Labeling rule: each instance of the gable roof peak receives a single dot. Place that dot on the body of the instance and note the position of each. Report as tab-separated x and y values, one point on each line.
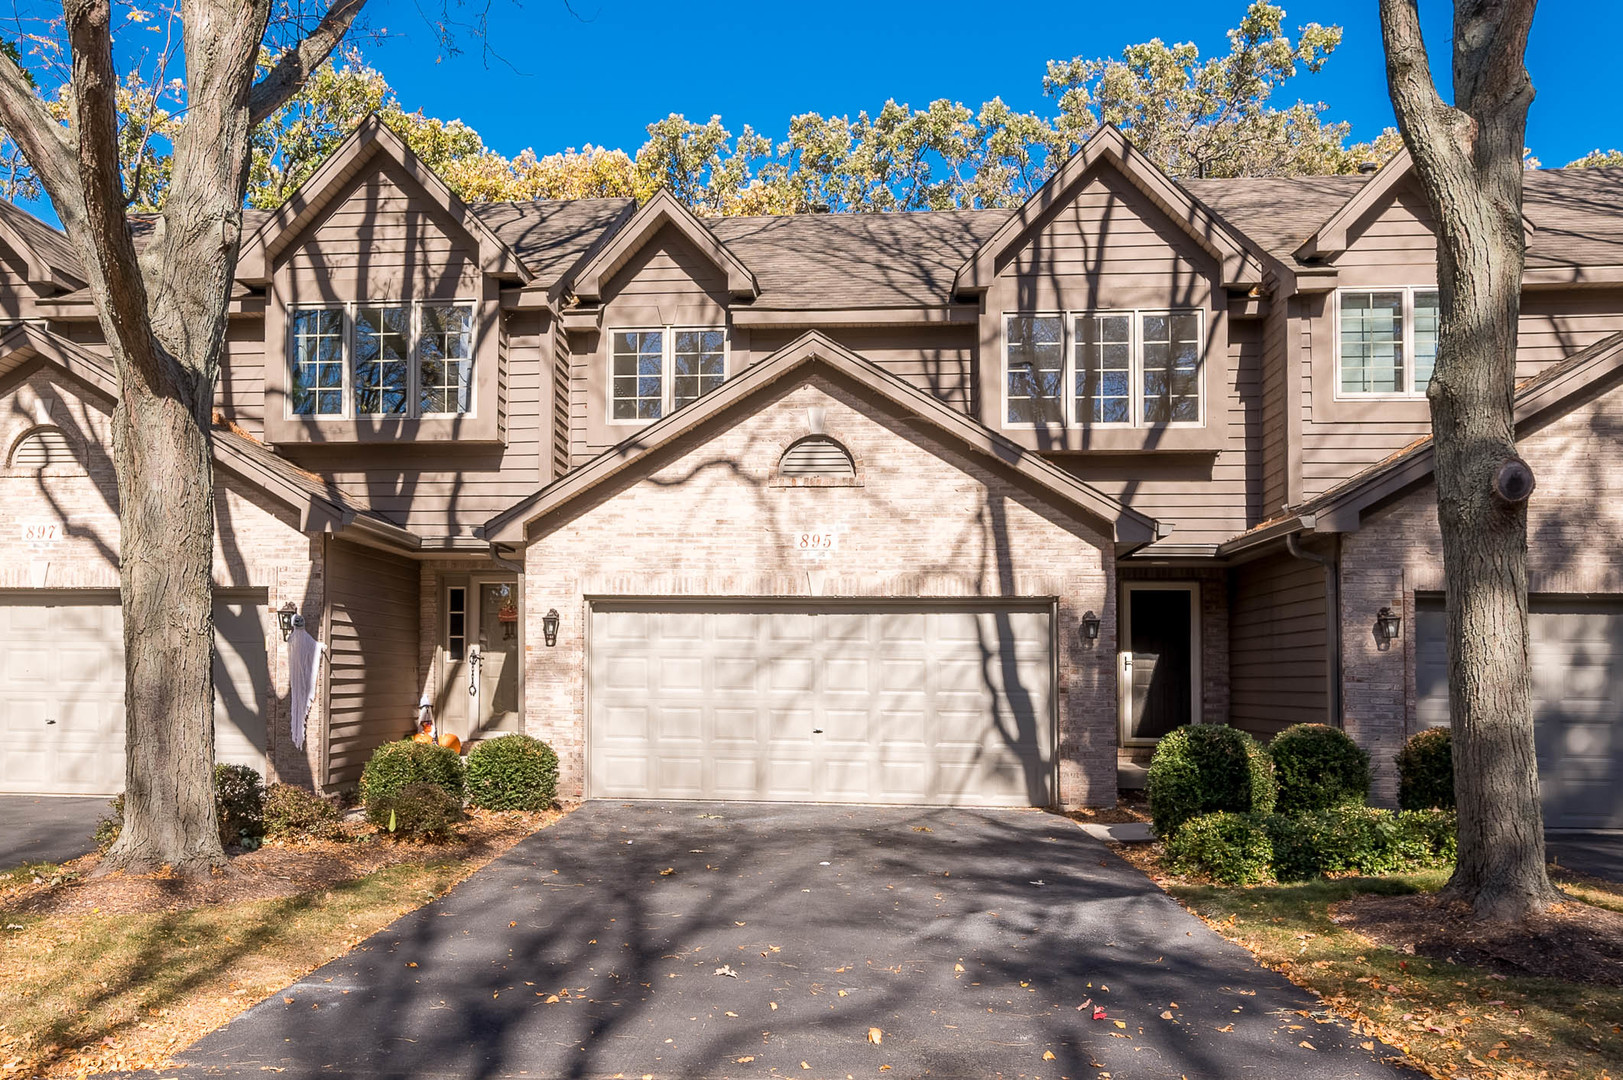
1330	238
663	209
1239	258
370	138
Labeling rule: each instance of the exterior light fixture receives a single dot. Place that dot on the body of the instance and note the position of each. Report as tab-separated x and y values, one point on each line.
549	627
1389	624
1090	627
287	617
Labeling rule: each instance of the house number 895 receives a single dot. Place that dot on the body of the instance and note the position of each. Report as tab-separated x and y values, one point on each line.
816	541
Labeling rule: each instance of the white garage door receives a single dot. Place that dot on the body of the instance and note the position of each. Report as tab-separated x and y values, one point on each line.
1577	656
62	691
822	704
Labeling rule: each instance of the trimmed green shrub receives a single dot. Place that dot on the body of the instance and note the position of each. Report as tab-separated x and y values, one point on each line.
394	765
1205	768
1317	767
1359	840
110	825
418	811
1233	849
239	804
296	813
1426	771
514	772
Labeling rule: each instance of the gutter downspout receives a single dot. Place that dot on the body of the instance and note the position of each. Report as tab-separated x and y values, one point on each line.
505	563
1332	604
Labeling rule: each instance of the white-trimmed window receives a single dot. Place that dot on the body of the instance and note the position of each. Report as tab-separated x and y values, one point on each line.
656	371
412	359
1386	341
1103	368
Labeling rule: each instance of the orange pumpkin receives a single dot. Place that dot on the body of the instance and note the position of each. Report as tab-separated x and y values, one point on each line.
451	742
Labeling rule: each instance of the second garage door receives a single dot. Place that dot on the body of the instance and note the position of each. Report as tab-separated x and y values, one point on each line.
1577	660
822	704
62	690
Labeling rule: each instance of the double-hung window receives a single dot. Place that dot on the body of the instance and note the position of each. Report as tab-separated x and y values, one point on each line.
1386	341
654	372
382	359
1103	368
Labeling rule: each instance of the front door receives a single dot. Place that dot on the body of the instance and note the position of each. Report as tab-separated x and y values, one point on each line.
1160	667
479	691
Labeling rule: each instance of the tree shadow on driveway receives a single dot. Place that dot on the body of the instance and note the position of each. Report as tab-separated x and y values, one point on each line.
968	938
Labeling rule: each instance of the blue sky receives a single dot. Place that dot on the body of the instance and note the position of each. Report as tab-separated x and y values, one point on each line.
563	81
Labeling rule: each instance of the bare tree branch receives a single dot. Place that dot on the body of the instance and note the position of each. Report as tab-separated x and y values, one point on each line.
294	66
45	143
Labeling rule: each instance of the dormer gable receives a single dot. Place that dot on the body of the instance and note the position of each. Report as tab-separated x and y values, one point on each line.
373	148
1241	266
45	256
662	212
1332	237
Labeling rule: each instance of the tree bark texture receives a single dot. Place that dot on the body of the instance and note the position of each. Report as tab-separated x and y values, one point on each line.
1468	158
164	316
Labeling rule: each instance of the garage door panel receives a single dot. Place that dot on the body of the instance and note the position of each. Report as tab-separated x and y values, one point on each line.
1577	675
885	705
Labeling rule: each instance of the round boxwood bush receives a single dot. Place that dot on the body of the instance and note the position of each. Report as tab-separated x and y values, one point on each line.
296	813
1233	849
394	765
1360	840
1205	768
1426	771
514	772
1317	767
239	803
417	811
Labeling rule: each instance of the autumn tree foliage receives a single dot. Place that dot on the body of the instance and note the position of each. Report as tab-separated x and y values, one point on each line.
1195	116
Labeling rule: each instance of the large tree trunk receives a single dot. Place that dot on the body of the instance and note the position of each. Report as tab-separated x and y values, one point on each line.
164	318
1469	160
166	507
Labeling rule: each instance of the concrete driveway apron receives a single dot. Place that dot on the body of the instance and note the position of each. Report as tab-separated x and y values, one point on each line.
747	940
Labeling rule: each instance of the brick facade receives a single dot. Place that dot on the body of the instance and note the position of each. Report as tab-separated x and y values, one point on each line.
1575	545
928	520
258	543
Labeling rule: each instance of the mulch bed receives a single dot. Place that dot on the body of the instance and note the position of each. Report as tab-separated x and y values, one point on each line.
1130	807
1571	941
273	871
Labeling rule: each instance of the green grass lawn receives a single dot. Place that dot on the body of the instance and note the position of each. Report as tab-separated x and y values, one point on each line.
1451	1019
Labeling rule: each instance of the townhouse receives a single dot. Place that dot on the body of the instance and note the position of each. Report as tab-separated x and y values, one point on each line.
953	507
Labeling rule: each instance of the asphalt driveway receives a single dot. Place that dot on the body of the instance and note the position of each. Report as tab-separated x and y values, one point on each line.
40	828
748	941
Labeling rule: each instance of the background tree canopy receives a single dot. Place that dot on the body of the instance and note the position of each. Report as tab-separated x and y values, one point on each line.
1194	116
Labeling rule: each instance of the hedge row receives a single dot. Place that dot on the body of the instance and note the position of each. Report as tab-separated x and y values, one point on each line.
1241	849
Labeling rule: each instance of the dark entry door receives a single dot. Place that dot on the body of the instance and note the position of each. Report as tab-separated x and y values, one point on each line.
1159	666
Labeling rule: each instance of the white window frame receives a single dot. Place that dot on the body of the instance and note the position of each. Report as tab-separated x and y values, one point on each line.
414	397
1070	405
667	366
1409	393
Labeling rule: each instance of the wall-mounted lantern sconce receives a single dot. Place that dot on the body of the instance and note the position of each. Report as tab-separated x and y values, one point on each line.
1090	627
549	627
1388	624
287	617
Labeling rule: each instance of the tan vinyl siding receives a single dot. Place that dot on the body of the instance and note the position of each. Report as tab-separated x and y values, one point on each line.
1206	499
1274	437
1557	323
939	360
1278	632
372	628
240	391
557	342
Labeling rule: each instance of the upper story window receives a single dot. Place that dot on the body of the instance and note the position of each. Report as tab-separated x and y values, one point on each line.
654	372
1386	341
1099	368
410	359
